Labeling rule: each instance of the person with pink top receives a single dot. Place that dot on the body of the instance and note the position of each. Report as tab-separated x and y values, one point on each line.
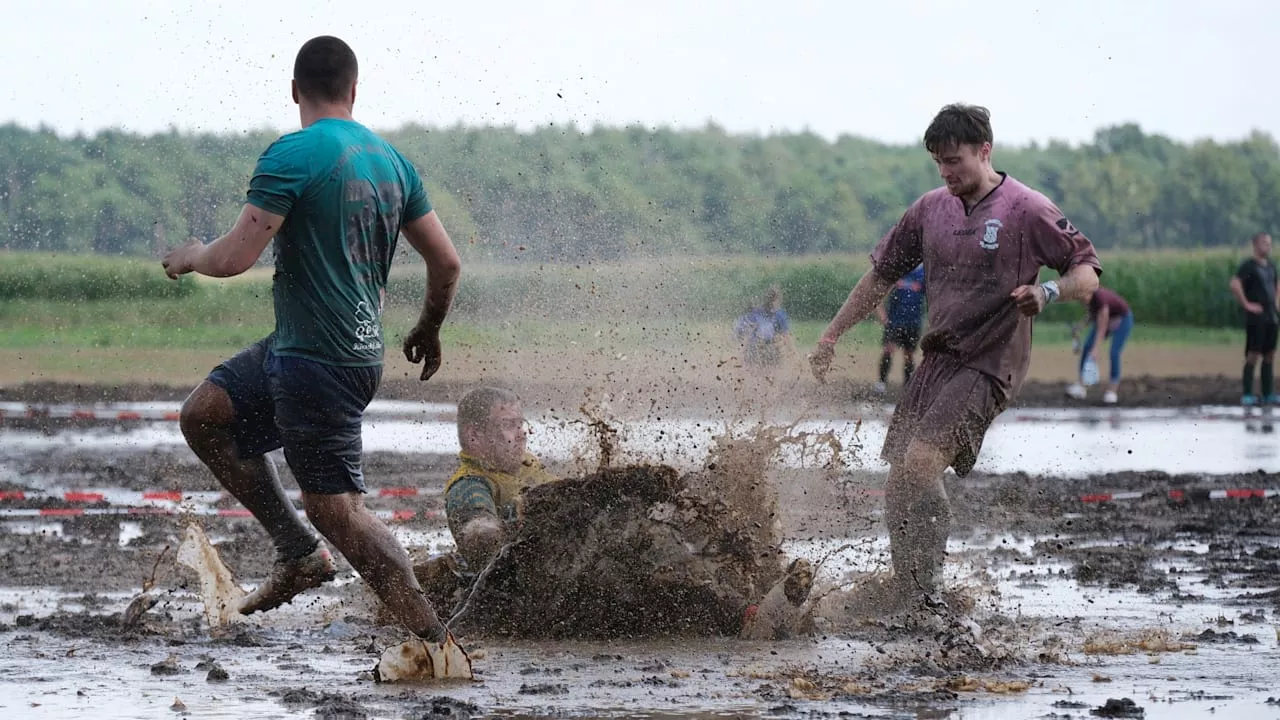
1108	316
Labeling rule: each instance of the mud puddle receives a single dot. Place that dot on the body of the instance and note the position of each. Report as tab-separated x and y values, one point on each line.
310	673
1189	647
1081	590
1074	443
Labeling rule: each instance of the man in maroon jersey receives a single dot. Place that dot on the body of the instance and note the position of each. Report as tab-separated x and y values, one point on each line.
983	239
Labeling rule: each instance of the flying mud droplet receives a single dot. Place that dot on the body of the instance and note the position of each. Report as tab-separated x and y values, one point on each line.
606	435
219	591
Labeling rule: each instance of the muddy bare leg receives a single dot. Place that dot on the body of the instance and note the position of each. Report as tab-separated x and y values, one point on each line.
375	553
207	420
919	518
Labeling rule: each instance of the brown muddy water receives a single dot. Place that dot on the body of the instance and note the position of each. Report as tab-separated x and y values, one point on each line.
1103	562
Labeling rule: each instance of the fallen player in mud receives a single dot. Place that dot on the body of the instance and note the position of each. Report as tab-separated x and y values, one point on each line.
638	551
635	552
482	498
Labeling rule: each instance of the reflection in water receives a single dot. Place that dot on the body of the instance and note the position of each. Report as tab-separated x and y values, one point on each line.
1068	443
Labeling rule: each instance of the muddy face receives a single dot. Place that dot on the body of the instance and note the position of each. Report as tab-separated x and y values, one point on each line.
500	441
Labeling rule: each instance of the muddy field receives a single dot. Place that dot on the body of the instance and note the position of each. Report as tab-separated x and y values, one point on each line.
1070	596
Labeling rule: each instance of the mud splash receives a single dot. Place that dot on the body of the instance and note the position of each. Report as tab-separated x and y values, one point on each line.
624	553
645	551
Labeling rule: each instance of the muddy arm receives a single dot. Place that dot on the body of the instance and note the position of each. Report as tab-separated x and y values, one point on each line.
479	539
473	520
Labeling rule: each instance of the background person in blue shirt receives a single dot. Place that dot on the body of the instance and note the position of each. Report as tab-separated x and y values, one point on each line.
902	316
764	331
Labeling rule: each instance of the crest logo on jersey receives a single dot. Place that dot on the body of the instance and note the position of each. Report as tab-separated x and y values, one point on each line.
1065	226
368	332
990	239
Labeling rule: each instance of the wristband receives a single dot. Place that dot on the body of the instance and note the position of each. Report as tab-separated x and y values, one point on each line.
1051	291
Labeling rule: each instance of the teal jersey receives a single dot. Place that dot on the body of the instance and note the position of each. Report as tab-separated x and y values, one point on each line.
344	193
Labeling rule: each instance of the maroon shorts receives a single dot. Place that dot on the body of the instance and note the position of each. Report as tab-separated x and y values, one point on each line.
947	406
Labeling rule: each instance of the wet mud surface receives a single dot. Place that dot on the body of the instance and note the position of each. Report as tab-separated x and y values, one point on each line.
1170	595
1061	603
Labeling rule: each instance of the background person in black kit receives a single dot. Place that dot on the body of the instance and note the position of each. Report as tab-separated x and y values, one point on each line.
1254	287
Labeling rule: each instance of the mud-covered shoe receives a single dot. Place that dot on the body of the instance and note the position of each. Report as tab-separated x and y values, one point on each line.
774	617
290	577
417	659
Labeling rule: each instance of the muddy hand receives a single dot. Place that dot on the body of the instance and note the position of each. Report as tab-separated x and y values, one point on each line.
1029	298
417	659
179	260
820	360
422	345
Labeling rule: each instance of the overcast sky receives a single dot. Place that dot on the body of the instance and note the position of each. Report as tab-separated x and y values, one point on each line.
1186	68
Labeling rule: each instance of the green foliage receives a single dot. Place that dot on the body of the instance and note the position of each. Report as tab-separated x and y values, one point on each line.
1168	288
813	289
35	276
564	195
104	300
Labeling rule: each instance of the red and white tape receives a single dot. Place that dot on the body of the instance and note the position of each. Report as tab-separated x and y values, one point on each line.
1183	495
12	410
139	512
171	412
118	496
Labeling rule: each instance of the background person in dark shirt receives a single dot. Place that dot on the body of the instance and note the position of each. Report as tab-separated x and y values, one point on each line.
902	316
1254	287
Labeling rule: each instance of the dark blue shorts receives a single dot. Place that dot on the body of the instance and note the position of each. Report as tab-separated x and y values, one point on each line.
312	410
906	337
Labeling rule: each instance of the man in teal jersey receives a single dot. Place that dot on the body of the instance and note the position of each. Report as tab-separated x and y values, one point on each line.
335	197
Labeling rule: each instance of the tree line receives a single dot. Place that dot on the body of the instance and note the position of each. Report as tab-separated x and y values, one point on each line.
564	194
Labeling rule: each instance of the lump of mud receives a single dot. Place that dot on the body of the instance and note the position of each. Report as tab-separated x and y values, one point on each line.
1209	636
637	551
300	696
245	639
445	708
168	666
340	708
1122	708
1267	553
544	689
1116	567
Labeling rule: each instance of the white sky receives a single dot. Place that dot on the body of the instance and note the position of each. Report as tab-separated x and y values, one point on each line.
876	68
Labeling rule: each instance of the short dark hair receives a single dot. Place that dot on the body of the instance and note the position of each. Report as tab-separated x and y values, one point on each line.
1258	236
477	405
325	69
958	124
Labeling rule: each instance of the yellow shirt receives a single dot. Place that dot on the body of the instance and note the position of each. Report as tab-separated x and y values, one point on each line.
475	486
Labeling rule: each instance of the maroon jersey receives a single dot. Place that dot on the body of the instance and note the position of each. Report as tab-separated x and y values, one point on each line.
973	261
1117	308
